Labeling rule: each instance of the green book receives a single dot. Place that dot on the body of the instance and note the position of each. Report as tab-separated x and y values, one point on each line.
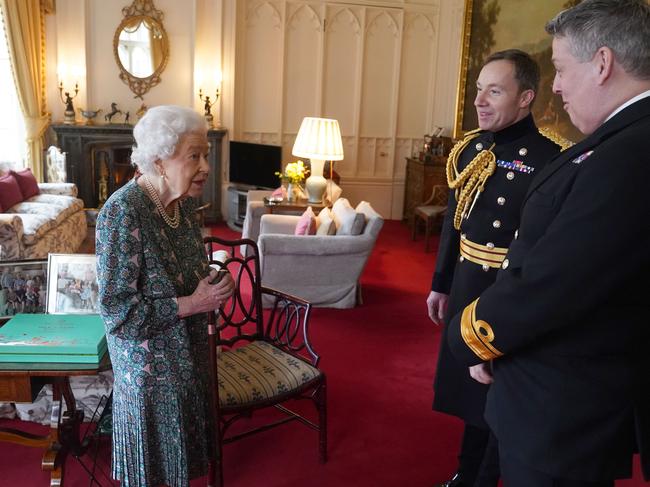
59	338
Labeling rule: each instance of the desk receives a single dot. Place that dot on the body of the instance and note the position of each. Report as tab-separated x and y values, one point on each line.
21	382
285	206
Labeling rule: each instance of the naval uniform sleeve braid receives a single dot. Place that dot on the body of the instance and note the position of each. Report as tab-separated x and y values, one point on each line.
590	248
126	312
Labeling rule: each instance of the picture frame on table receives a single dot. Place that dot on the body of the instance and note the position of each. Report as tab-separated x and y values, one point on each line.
495	25
23	287
72	284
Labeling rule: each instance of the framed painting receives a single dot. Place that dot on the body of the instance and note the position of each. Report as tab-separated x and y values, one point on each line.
72	284
495	25
23	287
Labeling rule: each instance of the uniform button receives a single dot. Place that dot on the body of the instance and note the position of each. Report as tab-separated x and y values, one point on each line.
461	258
496	223
505	264
486	267
516	234
523	151
490	245
463	236
510	175
501	200
479	147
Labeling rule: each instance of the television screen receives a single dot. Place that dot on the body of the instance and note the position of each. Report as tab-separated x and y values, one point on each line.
255	164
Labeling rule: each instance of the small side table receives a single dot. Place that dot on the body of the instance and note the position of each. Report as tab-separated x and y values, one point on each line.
285	206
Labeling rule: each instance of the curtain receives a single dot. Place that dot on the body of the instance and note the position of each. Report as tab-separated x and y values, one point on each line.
25	28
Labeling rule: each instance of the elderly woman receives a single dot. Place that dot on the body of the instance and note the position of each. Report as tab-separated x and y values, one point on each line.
154	290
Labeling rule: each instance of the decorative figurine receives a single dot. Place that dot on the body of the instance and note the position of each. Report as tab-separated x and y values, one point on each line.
114	111
126	118
207	106
68	114
89	115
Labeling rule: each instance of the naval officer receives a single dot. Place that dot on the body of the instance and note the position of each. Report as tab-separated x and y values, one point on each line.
565	325
488	173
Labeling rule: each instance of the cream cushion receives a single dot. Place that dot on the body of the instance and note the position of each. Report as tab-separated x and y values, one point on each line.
325	223
347	220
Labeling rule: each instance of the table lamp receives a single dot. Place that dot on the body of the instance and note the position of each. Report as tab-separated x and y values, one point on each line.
319	140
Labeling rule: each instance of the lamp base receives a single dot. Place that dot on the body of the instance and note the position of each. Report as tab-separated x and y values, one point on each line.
316	183
69	118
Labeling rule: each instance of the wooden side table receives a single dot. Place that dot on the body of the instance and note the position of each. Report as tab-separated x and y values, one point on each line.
21	382
421	177
285	206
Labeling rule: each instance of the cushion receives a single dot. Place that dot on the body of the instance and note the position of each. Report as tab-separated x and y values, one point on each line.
325	223
27	183
348	221
306	223
10	193
268	372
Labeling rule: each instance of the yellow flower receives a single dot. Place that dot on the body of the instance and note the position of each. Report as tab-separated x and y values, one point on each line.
294	172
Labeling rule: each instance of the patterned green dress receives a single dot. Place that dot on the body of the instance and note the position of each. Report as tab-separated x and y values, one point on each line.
161	420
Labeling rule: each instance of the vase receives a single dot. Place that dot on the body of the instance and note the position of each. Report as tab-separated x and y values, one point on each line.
294	192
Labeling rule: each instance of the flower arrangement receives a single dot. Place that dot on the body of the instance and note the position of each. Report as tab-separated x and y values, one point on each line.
294	172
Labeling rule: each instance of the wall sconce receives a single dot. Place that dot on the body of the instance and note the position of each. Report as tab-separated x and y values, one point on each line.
318	139
68	115
207	105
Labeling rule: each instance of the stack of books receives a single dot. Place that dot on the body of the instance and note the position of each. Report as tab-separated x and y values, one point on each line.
55	338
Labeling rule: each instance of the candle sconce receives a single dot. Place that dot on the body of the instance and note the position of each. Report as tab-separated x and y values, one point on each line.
68	115
207	106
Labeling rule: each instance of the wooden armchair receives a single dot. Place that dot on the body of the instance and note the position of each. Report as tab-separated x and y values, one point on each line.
429	211
263	357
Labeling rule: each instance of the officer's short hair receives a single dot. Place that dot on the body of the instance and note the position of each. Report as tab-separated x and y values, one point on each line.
621	25
526	68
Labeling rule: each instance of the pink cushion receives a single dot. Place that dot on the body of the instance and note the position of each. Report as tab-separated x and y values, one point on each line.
9	192
307	223
27	183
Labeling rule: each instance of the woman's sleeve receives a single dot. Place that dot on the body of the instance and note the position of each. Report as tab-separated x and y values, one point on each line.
127	312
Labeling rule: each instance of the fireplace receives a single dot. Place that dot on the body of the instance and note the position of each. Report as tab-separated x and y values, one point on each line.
98	162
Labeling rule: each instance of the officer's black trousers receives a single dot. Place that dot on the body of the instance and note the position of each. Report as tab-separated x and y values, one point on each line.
516	474
478	461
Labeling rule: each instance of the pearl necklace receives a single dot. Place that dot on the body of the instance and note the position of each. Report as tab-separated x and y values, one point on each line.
172	221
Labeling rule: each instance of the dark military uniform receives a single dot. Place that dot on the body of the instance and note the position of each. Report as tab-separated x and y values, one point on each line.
566	322
521	151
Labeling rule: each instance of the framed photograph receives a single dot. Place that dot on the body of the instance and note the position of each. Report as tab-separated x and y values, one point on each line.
495	25
72	284
23	287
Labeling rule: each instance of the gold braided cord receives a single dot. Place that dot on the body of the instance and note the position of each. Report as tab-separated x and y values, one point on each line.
172	221
471	181
557	138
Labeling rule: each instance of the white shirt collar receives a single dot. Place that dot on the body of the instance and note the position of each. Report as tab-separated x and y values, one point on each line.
638	97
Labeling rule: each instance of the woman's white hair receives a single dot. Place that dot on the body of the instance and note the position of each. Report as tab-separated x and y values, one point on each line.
158	132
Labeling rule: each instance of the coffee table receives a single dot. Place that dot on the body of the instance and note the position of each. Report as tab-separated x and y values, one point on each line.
284	206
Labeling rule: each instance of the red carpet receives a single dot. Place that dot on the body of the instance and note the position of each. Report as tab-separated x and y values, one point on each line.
380	360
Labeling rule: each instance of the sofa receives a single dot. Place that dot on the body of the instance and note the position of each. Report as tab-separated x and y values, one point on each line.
324	269
52	221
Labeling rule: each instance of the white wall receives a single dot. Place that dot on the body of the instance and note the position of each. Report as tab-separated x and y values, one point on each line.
388	74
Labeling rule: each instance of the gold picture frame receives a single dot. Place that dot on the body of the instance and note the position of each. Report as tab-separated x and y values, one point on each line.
495	25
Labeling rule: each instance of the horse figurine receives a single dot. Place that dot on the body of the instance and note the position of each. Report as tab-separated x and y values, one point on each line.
114	111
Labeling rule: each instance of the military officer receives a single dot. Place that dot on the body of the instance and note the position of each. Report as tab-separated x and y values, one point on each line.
488	173
565	325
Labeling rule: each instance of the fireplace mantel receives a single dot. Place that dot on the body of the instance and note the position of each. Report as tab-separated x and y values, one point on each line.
94	151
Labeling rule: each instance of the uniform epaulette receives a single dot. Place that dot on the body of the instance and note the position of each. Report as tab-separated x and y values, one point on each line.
555	137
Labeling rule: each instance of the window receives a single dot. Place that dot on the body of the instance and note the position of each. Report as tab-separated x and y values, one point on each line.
13	144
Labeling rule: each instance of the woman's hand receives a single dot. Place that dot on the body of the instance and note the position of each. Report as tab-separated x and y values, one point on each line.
206	297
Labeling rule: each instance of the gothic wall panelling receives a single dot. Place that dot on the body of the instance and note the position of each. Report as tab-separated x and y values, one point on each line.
262	66
302	65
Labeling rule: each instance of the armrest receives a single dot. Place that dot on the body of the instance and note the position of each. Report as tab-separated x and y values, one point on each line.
11	235
284	224
288	315
313	244
67	189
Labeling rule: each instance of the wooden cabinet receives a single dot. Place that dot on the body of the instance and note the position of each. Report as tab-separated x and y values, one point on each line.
98	162
421	177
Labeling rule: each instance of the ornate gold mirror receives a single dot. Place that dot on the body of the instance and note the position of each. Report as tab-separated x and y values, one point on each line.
141	46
